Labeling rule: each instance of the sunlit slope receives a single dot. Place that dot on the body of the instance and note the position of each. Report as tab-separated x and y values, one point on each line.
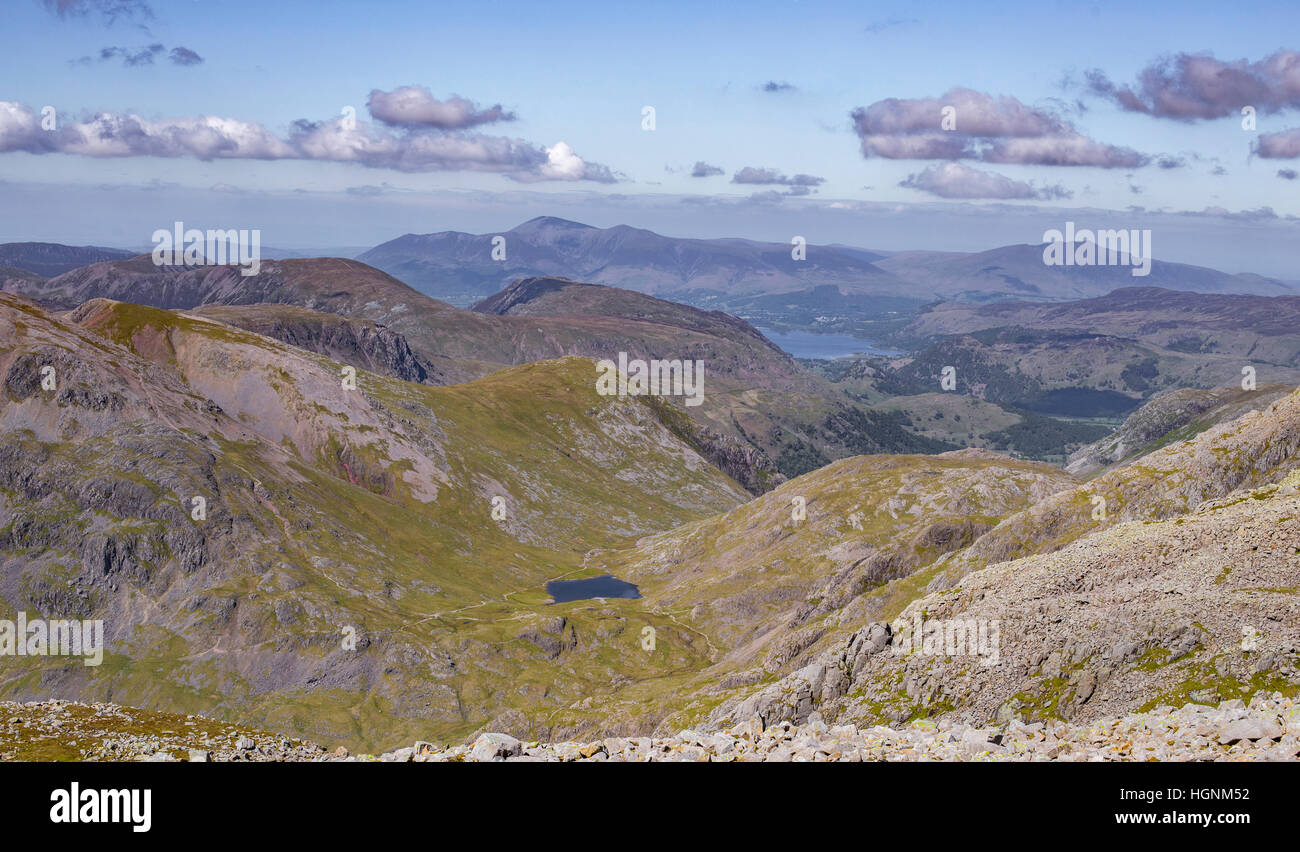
1256	449
1172	417
771	586
1196	608
1167	579
326	509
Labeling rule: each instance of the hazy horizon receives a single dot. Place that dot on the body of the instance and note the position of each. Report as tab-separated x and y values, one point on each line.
825	121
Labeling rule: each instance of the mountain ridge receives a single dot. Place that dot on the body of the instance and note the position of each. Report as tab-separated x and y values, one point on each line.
308	486
464	268
762	410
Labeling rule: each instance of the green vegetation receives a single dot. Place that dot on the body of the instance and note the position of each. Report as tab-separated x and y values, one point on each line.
1040	437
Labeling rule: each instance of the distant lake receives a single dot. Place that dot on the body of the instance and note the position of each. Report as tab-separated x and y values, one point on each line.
806	344
594	587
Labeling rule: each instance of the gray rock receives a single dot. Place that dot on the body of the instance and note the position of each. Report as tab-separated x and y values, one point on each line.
1086	686
1251	728
495	747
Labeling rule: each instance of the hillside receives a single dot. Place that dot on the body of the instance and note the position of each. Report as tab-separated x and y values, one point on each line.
1175	416
326	509
764	417
1064	373
453	343
770	588
1100	358
800	612
1098	616
330	509
1263	329
1198	608
17	280
364	344
1255	450
554	297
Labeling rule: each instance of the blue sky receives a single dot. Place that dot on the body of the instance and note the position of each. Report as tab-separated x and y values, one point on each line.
580	73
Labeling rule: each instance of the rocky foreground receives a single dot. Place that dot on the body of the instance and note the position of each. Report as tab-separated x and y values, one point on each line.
1267	729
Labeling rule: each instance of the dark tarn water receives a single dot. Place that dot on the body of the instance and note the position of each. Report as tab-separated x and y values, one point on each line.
594	587
805	344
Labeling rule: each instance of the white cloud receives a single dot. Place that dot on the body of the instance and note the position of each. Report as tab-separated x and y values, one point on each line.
213	137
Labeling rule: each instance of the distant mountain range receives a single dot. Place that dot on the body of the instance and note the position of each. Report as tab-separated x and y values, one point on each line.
50	259
460	268
1019	271
831	288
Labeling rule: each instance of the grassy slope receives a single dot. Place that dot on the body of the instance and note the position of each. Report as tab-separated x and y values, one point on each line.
338	531
770	592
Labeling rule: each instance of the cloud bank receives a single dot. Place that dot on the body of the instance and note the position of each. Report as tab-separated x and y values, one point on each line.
1190	86
1283	145
421	148
954	180
703	169
138	56
415	106
769	177
965	124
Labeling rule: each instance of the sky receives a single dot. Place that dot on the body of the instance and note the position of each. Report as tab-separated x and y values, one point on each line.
332	124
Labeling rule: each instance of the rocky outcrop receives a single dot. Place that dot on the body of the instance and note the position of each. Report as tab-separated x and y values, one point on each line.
1177	415
363	344
1256	449
1198	608
745	463
101	731
797	695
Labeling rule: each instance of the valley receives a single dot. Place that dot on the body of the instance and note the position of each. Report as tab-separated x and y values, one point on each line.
411	383
424	521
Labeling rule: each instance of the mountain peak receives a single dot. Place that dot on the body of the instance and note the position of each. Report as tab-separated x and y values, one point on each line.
539	222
